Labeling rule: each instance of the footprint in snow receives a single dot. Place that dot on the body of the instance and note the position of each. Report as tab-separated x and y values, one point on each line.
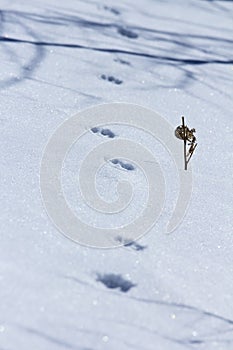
126	166
113	281
112	79
103	132
127	32
121	61
130	243
112	10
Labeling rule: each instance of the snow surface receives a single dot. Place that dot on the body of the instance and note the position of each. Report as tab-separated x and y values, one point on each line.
163	291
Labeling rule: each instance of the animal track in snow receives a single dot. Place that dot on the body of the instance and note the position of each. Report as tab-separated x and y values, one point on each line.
103	132
126	166
127	32
112	10
112	79
121	61
130	243
113	281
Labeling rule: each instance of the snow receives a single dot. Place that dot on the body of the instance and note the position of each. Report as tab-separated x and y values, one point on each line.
163	291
